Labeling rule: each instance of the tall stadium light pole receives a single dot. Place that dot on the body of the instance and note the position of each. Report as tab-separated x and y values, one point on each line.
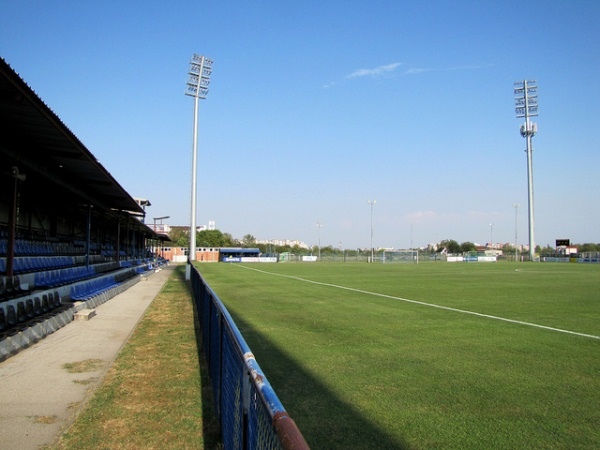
161	219
197	87
492	236
372	202
526	106
516	206
319	225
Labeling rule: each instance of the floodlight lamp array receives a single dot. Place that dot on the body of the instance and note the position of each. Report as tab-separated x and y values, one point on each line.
526	101
199	77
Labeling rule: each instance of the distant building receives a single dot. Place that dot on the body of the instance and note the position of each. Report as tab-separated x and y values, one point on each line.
180	254
282	243
567	250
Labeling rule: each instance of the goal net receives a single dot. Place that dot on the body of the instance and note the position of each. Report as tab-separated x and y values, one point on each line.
398	256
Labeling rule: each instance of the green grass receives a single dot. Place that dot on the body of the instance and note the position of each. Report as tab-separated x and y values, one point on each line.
362	371
157	393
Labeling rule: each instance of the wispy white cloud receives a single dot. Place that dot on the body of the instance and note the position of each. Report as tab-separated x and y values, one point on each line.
377	71
389	69
415	71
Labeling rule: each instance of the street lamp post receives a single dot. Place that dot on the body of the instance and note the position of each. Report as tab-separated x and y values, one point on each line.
197	87
372	202
161	219
526	105
516	206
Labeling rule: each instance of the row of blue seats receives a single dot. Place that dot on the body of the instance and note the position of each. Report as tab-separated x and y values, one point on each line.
25	247
26	264
92	288
53	278
147	267
27	309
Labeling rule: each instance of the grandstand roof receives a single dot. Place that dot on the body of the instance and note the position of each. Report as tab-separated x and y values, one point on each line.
36	140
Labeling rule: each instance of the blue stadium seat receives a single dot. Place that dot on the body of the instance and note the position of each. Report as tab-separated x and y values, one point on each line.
11	315
3	323
39	279
45	306
37	306
21	314
57	301
29	308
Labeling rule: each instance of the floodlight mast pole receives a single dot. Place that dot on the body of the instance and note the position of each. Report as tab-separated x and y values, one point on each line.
319	225
372	202
197	87
516	206
526	105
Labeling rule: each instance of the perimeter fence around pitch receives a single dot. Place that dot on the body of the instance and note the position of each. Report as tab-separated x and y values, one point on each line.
249	412
380	256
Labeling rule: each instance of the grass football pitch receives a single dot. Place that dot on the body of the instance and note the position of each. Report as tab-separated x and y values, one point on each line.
434	355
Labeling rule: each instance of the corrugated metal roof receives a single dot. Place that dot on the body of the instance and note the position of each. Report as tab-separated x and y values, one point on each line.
35	139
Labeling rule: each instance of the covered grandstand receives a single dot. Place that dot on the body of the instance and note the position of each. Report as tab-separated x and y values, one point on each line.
68	229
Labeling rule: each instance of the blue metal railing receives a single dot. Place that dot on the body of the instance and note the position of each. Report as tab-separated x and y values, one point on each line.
250	414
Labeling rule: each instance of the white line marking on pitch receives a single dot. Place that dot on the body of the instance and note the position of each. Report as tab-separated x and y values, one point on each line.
432	305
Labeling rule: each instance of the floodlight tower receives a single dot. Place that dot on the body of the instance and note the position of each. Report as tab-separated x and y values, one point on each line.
526	105
516	206
319	225
372	202
197	87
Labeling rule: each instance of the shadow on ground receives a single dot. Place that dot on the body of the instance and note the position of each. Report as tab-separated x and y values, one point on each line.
211	433
326	421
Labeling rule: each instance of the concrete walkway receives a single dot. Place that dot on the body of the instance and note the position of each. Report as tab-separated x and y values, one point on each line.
39	397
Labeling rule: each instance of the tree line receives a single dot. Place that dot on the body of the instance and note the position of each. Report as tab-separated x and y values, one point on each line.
216	238
454	247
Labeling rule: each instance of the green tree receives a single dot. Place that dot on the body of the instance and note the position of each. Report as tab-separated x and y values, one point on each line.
248	241
297	250
467	247
588	247
229	241
450	245
210	238
179	238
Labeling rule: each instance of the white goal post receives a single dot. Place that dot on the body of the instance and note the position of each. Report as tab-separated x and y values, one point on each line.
399	256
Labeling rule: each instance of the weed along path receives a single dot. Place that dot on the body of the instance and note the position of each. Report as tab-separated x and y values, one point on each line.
45	386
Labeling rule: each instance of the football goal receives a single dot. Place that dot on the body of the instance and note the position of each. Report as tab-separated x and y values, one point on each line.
398	256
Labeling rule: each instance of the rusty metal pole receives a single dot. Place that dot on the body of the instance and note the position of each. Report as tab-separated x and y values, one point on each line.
12	224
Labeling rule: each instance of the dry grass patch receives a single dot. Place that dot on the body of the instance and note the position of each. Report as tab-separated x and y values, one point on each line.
152	396
45	419
88	365
86	381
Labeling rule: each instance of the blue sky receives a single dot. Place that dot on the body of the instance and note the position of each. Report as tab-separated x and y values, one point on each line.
316	107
